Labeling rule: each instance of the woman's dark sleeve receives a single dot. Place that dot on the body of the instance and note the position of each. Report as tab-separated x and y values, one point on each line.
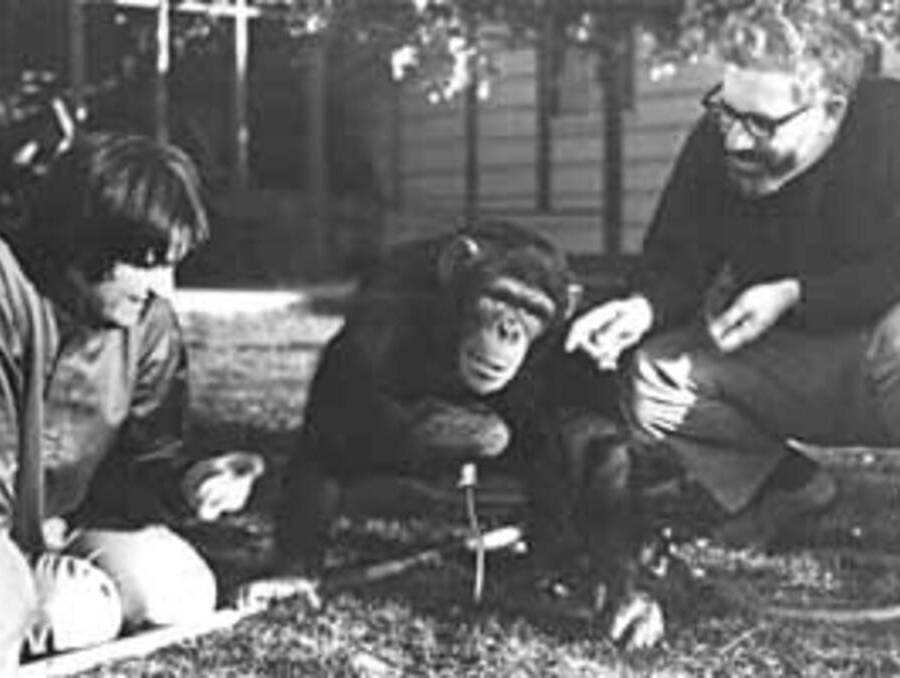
139	481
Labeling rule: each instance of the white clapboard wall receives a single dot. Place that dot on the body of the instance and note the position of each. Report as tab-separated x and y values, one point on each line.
429	155
430	151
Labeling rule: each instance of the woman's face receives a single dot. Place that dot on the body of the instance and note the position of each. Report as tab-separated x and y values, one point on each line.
120	297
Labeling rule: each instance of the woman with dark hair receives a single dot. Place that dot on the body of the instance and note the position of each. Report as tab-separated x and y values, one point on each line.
93	393
115	199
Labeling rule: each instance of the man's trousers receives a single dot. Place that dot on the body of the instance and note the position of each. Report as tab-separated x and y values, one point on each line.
728	416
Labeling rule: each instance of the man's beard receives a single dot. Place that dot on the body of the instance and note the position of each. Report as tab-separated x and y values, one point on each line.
759	172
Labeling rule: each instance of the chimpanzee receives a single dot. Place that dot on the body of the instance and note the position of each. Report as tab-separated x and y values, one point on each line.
452	351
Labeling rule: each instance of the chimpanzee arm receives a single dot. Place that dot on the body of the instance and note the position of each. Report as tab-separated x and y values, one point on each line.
367	415
578	471
549	481
580	500
369	412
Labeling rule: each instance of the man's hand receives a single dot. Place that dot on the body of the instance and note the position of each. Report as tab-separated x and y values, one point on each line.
755	310
221	484
606	331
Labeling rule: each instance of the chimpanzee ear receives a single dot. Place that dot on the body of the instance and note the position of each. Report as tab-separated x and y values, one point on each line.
574	295
458	254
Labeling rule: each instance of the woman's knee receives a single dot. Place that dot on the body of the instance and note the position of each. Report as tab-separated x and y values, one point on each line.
20	604
161	578
80	605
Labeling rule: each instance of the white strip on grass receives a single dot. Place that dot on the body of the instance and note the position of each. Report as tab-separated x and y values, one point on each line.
226	302
138	645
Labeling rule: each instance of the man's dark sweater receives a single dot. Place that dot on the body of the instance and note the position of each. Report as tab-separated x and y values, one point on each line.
835	227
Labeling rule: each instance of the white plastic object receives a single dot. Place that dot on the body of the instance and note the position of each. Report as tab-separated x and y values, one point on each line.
494	540
79	603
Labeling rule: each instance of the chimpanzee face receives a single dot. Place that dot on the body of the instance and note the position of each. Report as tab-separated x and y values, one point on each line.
499	326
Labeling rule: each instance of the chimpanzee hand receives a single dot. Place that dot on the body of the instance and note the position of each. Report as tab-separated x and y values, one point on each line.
753	313
221	484
637	622
258	594
606	331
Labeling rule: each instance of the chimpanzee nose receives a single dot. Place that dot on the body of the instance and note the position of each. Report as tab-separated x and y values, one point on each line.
508	329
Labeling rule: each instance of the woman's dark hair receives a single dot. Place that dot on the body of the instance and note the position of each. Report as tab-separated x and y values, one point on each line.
114	198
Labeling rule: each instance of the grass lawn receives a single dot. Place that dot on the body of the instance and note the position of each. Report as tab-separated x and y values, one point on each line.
250	370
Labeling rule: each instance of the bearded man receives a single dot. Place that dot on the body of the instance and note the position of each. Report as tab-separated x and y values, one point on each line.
791	182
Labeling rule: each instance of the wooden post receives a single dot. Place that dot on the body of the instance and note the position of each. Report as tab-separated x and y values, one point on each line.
470	121
317	155
241	12
241	137
544	95
9	52
161	84
77	57
612	72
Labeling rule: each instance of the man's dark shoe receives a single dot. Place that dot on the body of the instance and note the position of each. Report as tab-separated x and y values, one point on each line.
776	510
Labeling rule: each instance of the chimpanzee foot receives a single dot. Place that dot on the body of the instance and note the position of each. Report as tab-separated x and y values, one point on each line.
638	622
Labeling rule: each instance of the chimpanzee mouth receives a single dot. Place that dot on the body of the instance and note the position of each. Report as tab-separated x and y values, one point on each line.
485	367
480	372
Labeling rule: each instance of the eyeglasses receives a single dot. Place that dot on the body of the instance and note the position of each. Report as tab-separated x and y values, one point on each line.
760	127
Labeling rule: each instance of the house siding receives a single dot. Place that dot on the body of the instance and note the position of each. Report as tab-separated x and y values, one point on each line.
431	155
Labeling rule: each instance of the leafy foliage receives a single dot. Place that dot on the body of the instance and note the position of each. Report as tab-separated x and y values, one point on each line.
694	35
444	46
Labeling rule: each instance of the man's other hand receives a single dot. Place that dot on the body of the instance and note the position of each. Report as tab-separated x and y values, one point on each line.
221	484
753	313
606	331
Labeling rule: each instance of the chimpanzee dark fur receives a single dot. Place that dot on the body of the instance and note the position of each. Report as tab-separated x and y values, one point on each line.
388	399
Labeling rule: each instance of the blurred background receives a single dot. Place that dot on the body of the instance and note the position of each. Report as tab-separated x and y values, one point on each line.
327	130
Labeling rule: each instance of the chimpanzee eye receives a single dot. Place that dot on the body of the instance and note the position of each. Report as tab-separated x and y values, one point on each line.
489	311
532	320
533	323
490	306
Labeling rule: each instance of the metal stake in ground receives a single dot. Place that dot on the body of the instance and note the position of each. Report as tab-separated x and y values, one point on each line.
468	481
